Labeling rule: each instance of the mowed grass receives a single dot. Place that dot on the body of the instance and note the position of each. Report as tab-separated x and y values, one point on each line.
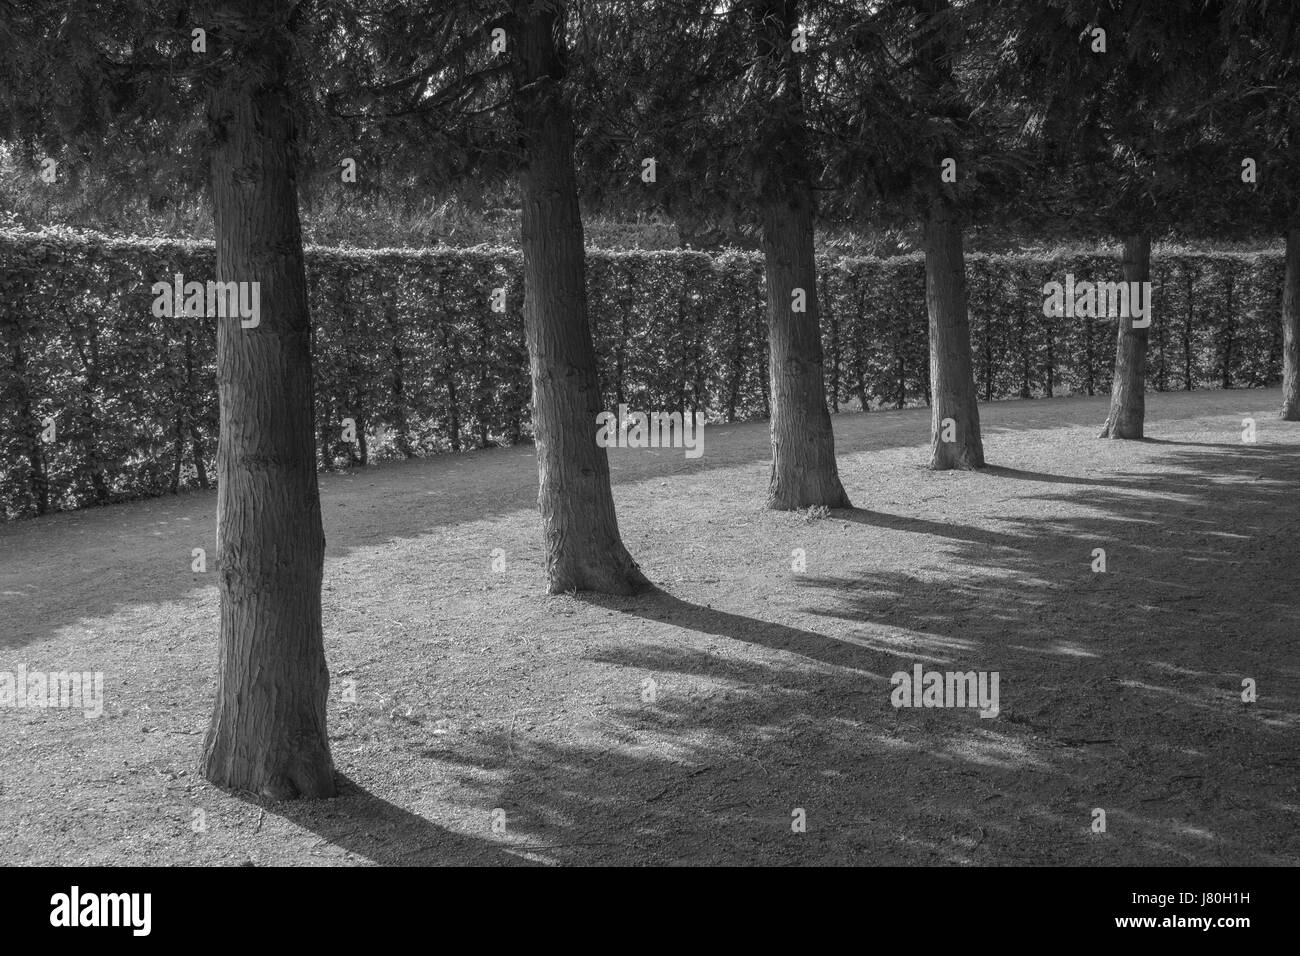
475	692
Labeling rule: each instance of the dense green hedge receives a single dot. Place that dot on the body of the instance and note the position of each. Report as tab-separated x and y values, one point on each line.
406	343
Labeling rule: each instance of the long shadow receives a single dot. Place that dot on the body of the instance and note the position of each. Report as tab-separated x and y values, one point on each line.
1227	446
370	827
939	529
1000	471
658	605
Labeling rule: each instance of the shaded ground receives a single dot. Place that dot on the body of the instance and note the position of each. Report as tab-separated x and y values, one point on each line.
474	692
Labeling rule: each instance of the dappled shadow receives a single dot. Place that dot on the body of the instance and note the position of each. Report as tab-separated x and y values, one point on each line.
1120	691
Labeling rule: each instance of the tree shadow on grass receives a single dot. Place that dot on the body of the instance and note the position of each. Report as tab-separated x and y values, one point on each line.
383	833
1120	691
660	606
1226	446
999	471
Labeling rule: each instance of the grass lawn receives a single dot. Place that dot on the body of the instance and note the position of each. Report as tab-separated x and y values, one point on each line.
476	691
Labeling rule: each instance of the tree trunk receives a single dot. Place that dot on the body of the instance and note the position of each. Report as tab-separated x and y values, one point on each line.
268	728
804	472
583	548
951	378
1291	329
1127	392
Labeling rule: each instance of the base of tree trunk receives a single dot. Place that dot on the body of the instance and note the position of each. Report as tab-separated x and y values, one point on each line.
1117	428
1290	413
811	490
608	570
951	455
291	775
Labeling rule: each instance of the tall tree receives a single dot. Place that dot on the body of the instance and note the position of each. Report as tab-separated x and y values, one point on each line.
583	548
955	440
1118	93
103	77
716	92
922	138
1257	118
480	90
268	731
804	472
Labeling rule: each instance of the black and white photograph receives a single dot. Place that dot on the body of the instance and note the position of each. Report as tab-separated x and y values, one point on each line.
650	433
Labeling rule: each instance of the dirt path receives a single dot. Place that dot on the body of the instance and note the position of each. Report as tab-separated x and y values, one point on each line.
474	692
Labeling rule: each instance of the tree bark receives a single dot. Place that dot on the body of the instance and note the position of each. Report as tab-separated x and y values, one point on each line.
804	471
951	377
1291	329
268	727
583	548
1127	392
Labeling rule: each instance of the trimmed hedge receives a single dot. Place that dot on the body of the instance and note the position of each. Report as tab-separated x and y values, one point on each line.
406	345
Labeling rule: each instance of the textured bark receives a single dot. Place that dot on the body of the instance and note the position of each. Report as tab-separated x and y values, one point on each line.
951	377
583	549
1127	393
804	472
1291	329
268	727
